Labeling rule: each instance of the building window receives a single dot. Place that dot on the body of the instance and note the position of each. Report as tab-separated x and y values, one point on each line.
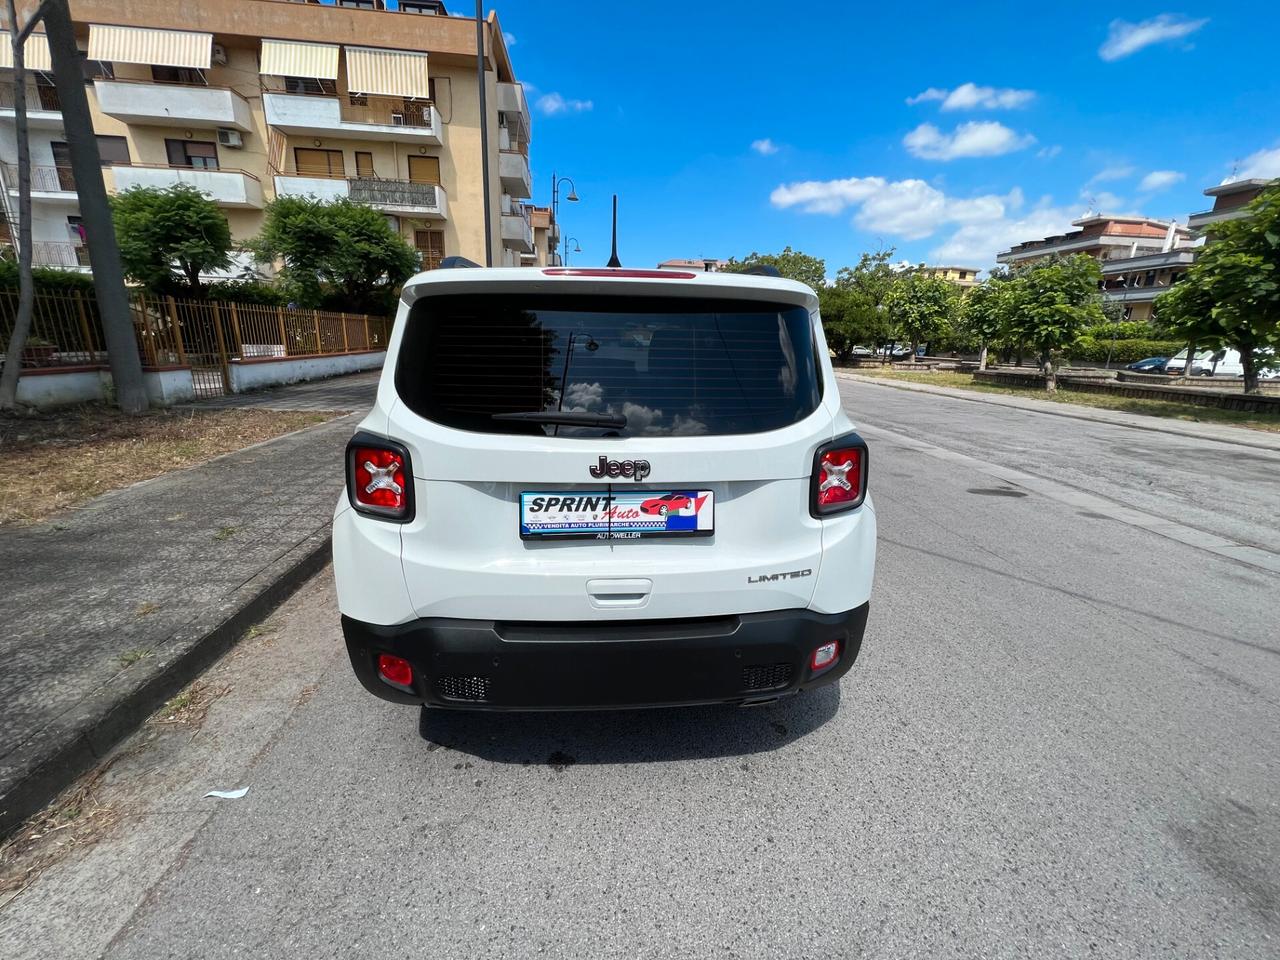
421	6
311	85
364	165
424	169
318	163
187	75
113	150
360	4
430	246
202	154
1128	312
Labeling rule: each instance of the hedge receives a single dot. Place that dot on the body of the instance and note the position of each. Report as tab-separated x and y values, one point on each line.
46	278
1124	330
1097	350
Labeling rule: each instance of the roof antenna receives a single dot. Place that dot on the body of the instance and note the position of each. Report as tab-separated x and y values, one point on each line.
613	258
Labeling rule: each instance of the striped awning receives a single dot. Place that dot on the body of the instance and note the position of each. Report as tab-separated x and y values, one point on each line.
290	58
35	53
164	48
393	73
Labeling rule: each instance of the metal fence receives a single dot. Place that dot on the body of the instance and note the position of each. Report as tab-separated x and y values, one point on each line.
203	335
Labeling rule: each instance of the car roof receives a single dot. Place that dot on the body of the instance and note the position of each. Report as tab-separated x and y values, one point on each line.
607	281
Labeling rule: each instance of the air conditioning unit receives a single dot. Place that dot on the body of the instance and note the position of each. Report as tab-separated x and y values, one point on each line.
228	137
219	55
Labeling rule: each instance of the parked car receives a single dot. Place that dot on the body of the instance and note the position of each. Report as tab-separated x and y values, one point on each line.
1149	365
862	352
1208	363
492	547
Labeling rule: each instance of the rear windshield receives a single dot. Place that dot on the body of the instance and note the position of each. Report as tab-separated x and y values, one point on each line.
652	367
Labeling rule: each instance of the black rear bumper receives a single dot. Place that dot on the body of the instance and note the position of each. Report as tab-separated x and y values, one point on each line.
488	665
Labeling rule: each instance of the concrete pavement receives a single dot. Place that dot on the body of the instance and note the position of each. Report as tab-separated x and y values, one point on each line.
1058	742
112	606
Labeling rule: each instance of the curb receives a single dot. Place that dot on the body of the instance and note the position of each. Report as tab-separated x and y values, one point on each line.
996	401
53	764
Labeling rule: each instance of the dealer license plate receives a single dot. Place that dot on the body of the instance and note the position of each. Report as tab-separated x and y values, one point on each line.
617	515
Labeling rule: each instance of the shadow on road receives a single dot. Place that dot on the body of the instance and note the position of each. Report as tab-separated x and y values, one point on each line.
630	736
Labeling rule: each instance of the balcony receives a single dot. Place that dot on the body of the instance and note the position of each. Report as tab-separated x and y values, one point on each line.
43	109
361	117
54	184
227	188
59	254
1179	257
517	232
403	197
1205	218
166	104
513	172
511	100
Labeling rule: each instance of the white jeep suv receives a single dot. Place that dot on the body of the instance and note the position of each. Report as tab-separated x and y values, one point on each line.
589	488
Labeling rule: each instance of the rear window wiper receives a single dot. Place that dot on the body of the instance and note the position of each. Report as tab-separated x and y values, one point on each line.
567	418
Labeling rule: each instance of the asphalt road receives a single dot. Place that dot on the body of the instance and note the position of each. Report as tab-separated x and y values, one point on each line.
1059	741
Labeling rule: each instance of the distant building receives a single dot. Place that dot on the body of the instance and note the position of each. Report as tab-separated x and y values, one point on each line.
699	265
960	276
546	239
1140	257
1229	201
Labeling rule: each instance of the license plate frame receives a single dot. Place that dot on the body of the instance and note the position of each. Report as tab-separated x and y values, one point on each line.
616	515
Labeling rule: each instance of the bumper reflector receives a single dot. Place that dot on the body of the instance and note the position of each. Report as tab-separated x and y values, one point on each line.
395	670
825	655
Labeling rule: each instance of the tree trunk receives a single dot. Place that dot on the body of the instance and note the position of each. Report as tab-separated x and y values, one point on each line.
26	287
100	235
982	356
1050	374
1250	364
915	345
1018	362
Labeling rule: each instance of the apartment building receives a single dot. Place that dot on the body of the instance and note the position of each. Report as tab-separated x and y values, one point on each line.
696	264
1229	202
960	276
1140	257
248	100
546	239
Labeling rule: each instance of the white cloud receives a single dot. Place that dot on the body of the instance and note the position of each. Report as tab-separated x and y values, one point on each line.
1263	165
1103	202
553	104
933	93
1048	153
974	139
913	209
509	38
907	208
1126	38
977	244
765	147
1161	179
970	96
1116	171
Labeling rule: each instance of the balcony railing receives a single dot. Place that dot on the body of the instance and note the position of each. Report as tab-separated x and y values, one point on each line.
38	97
43	179
393	193
50	253
386	111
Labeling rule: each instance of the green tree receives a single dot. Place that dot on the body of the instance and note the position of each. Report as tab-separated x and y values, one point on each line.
984	313
921	306
866	287
1230	296
169	237
337	253
1050	302
792	264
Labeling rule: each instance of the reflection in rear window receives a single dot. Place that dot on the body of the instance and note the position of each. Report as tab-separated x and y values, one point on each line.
669	367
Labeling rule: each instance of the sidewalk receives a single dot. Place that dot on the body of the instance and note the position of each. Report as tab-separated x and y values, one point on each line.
1220	433
113	607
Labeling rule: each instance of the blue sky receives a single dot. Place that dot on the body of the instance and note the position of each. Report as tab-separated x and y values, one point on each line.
1030	113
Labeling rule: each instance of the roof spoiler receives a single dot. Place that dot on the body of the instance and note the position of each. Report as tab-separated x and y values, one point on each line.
454	263
762	270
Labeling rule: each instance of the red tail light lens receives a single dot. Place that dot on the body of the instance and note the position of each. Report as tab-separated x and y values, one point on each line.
839	476
395	670
379	481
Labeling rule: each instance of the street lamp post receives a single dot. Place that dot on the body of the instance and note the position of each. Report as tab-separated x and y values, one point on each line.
576	249
555	197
